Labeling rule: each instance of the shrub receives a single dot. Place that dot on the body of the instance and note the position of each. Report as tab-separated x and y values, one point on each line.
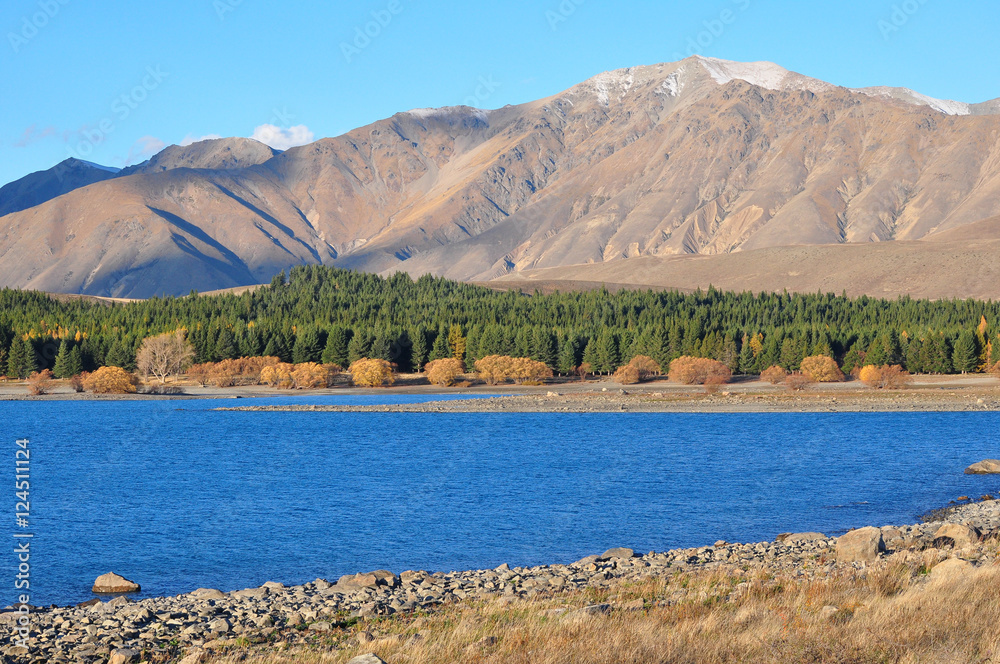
278	375
368	372
774	375
995	370
110	380
822	369
627	375
698	370
646	366
311	375
797	382
443	372
584	370
200	373
494	369
884	377
39	382
76	382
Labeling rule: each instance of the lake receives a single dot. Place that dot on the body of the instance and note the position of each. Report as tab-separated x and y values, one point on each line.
176	496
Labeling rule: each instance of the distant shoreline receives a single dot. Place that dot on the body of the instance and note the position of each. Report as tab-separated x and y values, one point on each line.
970	393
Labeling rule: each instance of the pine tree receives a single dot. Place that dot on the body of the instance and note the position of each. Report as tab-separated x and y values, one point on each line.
335	351
75	364
117	356
590	354
418	352
568	350
747	360
965	356
225	345
359	346
307	347
543	347
21	361
61	368
441	350
608	358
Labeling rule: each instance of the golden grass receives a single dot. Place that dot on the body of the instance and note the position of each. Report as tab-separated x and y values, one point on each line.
889	613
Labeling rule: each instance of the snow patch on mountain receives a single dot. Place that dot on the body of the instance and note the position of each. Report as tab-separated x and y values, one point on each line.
762	74
613	83
946	106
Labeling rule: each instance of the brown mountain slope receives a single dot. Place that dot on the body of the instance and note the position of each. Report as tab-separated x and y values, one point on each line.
938	270
698	157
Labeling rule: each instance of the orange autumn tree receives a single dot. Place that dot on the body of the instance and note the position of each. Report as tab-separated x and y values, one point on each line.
698	370
821	369
444	371
110	380
368	372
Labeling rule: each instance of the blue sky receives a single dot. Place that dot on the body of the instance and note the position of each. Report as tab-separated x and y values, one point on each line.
114	82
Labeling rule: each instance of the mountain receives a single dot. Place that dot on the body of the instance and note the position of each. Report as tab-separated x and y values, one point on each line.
703	158
214	154
42	186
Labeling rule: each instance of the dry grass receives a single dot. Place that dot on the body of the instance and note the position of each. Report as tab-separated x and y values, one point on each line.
889	613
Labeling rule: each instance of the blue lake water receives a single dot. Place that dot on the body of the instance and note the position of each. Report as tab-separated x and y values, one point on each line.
176	496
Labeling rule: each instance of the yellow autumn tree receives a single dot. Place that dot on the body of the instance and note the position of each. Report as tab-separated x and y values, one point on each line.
821	369
698	370
885	377
443	372
368	372
110	380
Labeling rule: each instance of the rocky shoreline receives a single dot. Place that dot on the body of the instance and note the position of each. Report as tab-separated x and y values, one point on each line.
626	401
189	627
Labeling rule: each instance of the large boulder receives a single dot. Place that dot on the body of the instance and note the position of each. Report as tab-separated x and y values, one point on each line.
619	552
986	467
112	583
861	545
124	656
370	658
961	535
951	568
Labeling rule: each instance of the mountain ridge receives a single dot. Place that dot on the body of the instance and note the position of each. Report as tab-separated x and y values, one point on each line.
655	161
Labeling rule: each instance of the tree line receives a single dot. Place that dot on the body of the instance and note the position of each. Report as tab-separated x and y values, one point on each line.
332	316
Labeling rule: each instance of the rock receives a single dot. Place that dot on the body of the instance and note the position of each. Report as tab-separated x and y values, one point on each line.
194	657
799	537
112	583
961	536
986	467
384	577
634	605
370	658
619	552
950	568
828	612
321	626
358	581
589	560
123	656
590	611
207	593
861	545
273	585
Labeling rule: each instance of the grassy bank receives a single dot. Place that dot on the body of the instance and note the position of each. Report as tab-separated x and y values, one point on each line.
896	610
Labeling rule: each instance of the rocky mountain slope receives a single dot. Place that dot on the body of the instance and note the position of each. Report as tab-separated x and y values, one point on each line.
702	157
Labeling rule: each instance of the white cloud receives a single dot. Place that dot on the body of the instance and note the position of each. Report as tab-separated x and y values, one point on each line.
143	149
280	138
191	138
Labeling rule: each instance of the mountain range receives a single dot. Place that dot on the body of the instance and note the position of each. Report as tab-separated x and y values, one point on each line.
704	171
